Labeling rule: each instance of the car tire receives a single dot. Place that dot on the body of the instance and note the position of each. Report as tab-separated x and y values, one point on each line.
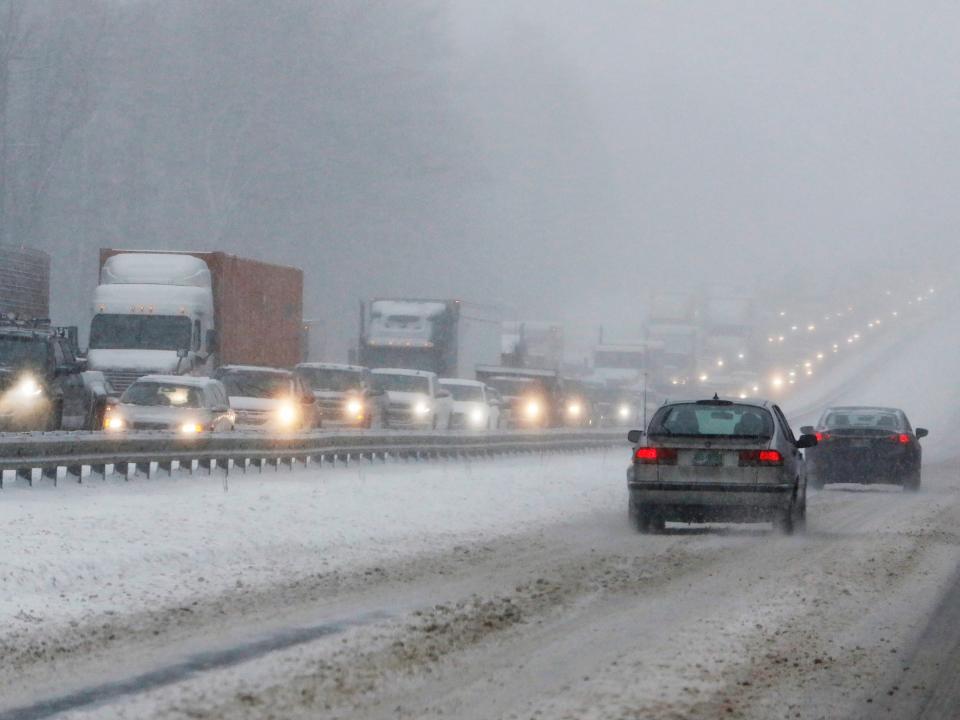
55	419
645	519
793	521
912	483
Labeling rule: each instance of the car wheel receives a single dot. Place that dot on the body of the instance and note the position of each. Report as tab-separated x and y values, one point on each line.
55	418
792	521
912	483
646	519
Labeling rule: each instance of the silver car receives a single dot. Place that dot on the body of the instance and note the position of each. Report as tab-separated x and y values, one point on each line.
182	404
718	461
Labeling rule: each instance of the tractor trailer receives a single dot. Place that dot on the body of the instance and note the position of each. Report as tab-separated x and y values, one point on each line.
447	337
190	312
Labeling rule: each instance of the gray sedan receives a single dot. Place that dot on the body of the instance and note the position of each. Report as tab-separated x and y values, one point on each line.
718	461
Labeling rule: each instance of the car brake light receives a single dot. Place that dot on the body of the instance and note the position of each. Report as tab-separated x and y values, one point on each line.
753	458
902	438
821	436
656	456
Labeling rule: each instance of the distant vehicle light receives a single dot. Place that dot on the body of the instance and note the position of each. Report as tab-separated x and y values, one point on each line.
421	408
574	409
113	422
477	417
191	428
624	411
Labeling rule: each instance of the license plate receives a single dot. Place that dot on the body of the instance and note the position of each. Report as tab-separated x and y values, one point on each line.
860	443
707	458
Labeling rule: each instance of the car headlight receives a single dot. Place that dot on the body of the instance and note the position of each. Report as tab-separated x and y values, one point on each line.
421	408
287	414
574	409
532	409
623	411
354	408
191	428
477	417
114	422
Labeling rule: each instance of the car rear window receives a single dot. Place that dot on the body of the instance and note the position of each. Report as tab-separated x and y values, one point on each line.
861	419
696	420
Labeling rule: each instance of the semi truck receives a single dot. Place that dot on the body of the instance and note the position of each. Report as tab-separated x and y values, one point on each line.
190	312
447	337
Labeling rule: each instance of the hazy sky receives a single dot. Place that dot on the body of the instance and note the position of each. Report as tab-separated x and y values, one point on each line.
801	142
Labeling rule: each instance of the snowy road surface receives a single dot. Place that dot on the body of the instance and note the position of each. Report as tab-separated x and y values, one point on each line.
498	589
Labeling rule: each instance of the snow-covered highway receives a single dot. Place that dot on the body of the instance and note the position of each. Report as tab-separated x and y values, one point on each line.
508	588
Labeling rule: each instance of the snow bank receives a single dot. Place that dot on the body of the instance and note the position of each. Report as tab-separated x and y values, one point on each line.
82	550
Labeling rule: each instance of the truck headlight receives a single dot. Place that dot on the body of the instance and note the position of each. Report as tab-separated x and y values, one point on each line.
477	417
191	428
27	388
114	422
421	408
287	414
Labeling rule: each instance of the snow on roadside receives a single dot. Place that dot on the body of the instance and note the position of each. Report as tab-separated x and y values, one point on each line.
79	551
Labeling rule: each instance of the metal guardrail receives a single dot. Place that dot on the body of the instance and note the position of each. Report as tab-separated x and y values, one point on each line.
75	456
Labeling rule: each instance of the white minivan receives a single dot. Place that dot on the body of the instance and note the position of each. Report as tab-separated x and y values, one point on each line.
416	399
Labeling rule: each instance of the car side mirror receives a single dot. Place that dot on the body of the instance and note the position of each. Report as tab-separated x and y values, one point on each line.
112	401
807	440
807	430
634	436
921	433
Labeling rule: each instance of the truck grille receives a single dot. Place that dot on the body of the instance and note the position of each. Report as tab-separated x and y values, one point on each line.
120	380
252	417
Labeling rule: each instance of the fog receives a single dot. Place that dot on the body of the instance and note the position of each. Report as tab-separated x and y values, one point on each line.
560	159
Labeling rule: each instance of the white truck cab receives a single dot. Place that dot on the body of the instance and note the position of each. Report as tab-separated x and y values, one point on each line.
152	313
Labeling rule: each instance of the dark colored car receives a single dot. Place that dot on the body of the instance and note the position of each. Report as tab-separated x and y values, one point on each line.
865	445
43	386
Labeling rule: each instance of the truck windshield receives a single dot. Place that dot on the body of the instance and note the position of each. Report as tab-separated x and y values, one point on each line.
163	395
140	332
465	392
331	379
404	383
702	420
241	383
19	351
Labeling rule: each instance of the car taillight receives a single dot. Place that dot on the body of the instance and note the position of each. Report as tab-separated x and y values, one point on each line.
656	456
766	458
902	438
821	436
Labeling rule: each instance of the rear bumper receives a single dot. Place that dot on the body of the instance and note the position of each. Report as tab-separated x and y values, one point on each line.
705	495
866	471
